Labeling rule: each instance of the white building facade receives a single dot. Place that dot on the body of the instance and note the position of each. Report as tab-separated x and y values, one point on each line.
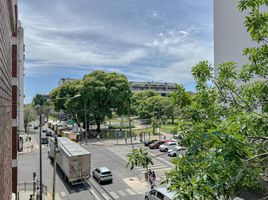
230	34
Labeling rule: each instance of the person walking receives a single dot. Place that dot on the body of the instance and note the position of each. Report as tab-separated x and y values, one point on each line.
151	181
154	178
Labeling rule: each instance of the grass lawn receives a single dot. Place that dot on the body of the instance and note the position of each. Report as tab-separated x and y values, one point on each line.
168	128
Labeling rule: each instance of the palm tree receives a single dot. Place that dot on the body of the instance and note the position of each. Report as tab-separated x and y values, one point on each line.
138	157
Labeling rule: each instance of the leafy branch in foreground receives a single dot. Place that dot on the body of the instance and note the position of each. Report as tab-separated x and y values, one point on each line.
225	125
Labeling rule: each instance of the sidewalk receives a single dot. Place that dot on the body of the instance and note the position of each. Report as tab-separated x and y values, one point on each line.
25	195
28	145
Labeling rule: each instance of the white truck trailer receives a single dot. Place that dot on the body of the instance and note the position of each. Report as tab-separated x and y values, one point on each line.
74	161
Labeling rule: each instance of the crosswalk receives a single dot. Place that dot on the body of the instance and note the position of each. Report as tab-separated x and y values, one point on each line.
160	165
120	194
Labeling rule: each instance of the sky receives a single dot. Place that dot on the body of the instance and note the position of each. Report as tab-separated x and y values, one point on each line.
146	40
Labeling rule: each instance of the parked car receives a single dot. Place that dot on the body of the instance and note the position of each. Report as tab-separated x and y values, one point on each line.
44	140
166	146
147	143
48	133
176	151
102	174
44	130
35	127
159	193
155	145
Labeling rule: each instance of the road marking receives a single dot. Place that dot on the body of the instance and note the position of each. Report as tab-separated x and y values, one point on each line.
156	170
131	192
150	166
114	195
105	196
63	194
94	194
162	160
57	196
122	193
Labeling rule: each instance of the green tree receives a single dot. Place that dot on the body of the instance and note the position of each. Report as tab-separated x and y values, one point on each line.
138	99
223	128
105	92
139	157
62	99
29	115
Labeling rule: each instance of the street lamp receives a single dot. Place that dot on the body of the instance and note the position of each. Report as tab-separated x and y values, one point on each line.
129	123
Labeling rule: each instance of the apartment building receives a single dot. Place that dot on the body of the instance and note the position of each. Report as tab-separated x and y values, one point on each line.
164	89
65	80
9	73
230	34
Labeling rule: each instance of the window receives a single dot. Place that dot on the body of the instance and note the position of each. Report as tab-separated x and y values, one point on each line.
153	192
106	173
160	195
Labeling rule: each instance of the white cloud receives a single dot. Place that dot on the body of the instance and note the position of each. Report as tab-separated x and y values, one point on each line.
148	40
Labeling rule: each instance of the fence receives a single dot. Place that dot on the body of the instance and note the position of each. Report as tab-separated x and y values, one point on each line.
31	186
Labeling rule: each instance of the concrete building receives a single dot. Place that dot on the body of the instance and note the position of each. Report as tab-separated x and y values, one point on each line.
21	58
162	88
8	97
230	34
65	80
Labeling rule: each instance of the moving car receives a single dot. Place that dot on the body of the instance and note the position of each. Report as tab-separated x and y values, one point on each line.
44	140
178	150
48	133
166	146
102	174
147	143
159	193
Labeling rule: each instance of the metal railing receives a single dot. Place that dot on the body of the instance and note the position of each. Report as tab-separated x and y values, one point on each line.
31	186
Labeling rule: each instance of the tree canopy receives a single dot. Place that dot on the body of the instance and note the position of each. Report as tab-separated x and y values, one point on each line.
100	93
225	125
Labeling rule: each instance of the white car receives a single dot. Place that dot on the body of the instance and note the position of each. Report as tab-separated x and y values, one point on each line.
166	146
178	150
102	174
159	193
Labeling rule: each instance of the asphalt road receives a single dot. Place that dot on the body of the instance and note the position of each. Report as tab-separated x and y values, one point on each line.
127	184
29	163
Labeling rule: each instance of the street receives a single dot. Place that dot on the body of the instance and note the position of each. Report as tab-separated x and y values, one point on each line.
127	184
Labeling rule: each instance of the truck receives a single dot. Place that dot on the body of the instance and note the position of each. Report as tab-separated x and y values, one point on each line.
72	159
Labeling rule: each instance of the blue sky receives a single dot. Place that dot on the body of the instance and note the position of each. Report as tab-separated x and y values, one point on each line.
147	40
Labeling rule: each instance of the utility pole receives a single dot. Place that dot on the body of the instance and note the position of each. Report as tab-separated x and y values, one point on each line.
85	112
54	166
40	152
129	123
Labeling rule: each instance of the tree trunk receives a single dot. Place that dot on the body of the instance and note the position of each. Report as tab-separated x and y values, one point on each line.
98	126
172	119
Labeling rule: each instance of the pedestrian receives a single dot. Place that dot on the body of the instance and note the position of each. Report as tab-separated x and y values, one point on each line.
151	181
154	178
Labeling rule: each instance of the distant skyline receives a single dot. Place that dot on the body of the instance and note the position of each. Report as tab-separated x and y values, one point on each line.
147	40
